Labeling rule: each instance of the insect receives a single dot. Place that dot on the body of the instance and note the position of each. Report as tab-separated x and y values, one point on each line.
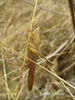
33	55
34	44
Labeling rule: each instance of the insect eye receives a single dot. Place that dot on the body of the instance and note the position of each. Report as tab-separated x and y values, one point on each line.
32	34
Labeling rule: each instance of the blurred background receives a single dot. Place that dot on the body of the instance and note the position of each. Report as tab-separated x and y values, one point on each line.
57	43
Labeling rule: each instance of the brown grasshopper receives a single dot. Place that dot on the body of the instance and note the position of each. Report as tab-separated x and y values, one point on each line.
33	55
34	45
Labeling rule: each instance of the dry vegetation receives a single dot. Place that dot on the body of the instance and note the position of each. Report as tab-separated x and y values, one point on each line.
53	18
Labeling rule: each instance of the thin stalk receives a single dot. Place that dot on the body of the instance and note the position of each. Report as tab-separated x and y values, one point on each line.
26	48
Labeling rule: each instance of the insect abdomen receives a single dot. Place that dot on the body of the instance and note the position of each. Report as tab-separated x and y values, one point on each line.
31	66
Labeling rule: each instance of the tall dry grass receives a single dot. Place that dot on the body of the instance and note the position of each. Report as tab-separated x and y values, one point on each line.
53	18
